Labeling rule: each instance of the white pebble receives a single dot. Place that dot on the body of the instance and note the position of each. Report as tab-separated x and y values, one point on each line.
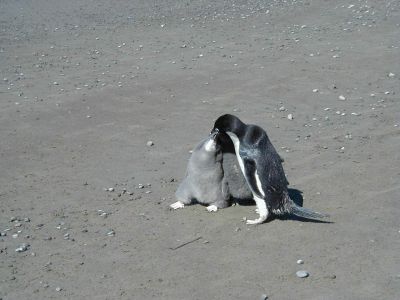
315	90
290	116
150	143
341	97
264	297
300	262
22	248
302	274
391	75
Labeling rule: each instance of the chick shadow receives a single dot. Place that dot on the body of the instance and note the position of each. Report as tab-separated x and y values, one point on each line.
297	197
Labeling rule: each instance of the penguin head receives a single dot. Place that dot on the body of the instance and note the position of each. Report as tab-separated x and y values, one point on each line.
212	142
207	153
227	123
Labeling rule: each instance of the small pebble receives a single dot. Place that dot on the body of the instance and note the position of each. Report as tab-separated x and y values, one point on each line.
282	108
315	90
111	233
300	262
302	274
341	97
150	143
263	297
58	289
290	116
22	248
391	75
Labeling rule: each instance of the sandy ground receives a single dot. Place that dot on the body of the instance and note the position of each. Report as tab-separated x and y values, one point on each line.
85	84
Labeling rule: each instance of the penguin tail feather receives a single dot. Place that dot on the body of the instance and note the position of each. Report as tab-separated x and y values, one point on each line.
306	213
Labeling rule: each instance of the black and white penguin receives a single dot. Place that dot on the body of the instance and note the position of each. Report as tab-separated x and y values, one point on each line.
262	168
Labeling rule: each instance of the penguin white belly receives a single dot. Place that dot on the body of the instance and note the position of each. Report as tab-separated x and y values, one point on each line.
261	205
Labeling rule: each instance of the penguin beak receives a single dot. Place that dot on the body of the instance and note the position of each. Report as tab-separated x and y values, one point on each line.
214	134
215	130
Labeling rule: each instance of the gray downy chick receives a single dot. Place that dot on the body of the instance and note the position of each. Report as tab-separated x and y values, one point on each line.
213	177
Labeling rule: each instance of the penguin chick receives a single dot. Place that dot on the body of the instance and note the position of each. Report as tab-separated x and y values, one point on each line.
213	176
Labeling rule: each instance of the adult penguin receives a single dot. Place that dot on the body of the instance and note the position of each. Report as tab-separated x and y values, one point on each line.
262	168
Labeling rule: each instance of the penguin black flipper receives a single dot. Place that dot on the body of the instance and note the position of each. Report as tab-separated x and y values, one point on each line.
250	176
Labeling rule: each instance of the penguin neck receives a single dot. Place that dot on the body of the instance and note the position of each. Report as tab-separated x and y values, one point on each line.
236	144
235	140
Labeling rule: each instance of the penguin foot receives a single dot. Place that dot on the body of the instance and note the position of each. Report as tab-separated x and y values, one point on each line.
212	208
261	209
260	220
177	205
